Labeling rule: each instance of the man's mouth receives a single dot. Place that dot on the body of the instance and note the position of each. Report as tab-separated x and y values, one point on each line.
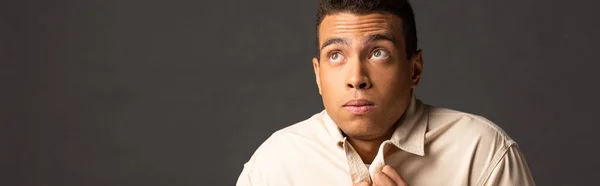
359	106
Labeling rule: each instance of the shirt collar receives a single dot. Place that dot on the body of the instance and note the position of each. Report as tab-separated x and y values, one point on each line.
409	134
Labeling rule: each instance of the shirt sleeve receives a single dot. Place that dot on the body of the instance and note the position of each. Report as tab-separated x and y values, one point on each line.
244	178
250	176
511	169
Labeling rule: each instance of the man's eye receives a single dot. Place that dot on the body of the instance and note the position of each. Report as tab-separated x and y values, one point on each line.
336	57
379	54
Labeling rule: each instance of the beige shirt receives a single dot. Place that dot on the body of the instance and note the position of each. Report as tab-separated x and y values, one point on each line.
431	146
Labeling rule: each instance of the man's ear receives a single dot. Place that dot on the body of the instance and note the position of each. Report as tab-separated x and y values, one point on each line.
416	63
316	68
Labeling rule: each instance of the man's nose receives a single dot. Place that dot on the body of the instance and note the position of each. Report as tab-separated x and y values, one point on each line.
358	77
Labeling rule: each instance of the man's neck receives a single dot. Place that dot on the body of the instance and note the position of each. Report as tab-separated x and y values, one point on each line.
367	149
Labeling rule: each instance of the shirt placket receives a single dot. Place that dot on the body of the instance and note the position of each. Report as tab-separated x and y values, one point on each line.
358	170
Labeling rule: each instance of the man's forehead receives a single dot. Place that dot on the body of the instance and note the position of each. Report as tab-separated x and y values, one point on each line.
352	25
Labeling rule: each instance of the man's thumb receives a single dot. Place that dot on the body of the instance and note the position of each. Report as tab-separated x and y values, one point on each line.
364	183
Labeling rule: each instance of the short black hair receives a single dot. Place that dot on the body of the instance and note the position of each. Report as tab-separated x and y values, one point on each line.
400	8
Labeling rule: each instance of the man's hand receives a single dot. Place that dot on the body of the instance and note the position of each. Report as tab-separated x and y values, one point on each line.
387	177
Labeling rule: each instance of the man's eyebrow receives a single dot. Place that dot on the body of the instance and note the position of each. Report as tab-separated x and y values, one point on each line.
335	40
379	37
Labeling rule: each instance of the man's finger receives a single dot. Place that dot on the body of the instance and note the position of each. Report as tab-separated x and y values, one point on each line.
392	174
381	179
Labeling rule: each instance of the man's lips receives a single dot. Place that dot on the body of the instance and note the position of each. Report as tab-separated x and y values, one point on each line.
359	106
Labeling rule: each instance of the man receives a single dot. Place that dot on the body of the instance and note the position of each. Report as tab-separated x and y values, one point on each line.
373	130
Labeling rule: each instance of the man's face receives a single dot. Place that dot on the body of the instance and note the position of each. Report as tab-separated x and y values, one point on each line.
364	76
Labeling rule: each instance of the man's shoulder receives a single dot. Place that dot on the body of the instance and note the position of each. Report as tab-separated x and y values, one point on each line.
467	125
487	147
288	145
309	130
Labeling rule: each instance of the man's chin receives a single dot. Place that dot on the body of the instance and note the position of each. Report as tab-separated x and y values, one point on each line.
363	131
360	115
364	135
364	128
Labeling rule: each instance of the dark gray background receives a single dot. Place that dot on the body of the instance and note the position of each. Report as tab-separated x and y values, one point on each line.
182	92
